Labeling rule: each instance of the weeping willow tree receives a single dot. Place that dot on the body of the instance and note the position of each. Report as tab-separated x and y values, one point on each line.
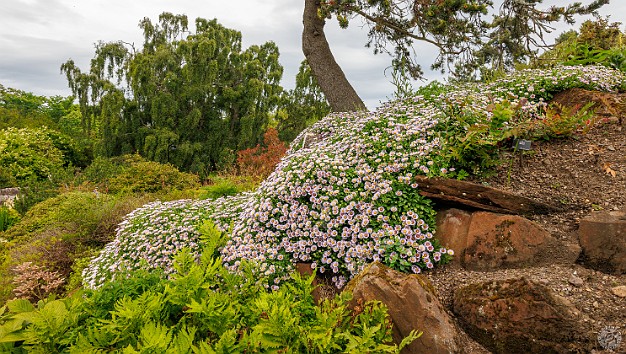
190	98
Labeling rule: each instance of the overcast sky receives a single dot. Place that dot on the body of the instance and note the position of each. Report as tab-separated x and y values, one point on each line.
37	36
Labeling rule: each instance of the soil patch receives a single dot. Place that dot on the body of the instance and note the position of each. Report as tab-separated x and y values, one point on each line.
582	174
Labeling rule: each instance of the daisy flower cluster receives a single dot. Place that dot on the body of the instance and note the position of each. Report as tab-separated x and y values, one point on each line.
342	198
345	195
150	236
529	89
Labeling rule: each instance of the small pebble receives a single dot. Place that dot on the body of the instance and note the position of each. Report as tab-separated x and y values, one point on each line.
576	281
619	291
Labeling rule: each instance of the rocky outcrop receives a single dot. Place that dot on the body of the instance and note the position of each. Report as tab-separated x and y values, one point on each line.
486	241
412	305
520	316
602	237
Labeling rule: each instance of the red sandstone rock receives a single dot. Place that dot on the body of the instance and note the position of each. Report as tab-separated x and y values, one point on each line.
412	305
488	241
521	316
602	237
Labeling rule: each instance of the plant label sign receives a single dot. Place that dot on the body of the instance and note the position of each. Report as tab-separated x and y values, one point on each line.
522	144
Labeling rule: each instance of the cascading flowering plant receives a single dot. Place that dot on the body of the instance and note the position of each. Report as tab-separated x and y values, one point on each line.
345	195
151	235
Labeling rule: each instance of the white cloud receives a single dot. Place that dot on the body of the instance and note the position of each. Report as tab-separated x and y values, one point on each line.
37	36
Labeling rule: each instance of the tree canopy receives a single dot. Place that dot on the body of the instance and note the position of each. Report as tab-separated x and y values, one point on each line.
190	98
460	30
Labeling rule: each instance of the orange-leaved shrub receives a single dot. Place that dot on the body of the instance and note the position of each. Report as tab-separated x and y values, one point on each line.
261	160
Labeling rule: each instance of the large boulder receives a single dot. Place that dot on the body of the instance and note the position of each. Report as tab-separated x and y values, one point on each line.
412	305
521	316
602	237
486	241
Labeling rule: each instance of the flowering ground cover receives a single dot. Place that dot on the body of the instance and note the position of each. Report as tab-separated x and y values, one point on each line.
344	195
152	235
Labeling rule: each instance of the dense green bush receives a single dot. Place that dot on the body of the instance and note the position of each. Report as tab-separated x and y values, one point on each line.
597	43
29	154
202	308
38	160
8	217
224	186
56	232
133	174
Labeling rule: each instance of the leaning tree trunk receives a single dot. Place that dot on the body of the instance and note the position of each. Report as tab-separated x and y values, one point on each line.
331	79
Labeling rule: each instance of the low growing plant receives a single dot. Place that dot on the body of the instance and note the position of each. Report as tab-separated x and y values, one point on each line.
34	283
224	186
132	174
56	232
563	122
8	217
202	308
150	236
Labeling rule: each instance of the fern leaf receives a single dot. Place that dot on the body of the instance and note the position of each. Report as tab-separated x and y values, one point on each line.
20	306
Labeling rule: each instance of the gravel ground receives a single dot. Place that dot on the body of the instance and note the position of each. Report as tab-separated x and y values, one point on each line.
581	175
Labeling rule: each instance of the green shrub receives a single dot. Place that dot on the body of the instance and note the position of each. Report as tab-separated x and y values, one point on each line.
563	122
227	186
34	191
59	230
38	160
598	43
8	217
202	308
133	174
29	154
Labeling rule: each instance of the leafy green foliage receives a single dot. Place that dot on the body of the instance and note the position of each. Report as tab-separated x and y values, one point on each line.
21	109
54	115
38	160
132	174
8	217
563	122
202	309
194	97
150	177
598	43
29	154
224	186
59	230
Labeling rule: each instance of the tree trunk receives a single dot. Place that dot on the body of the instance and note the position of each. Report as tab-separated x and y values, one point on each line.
331	79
